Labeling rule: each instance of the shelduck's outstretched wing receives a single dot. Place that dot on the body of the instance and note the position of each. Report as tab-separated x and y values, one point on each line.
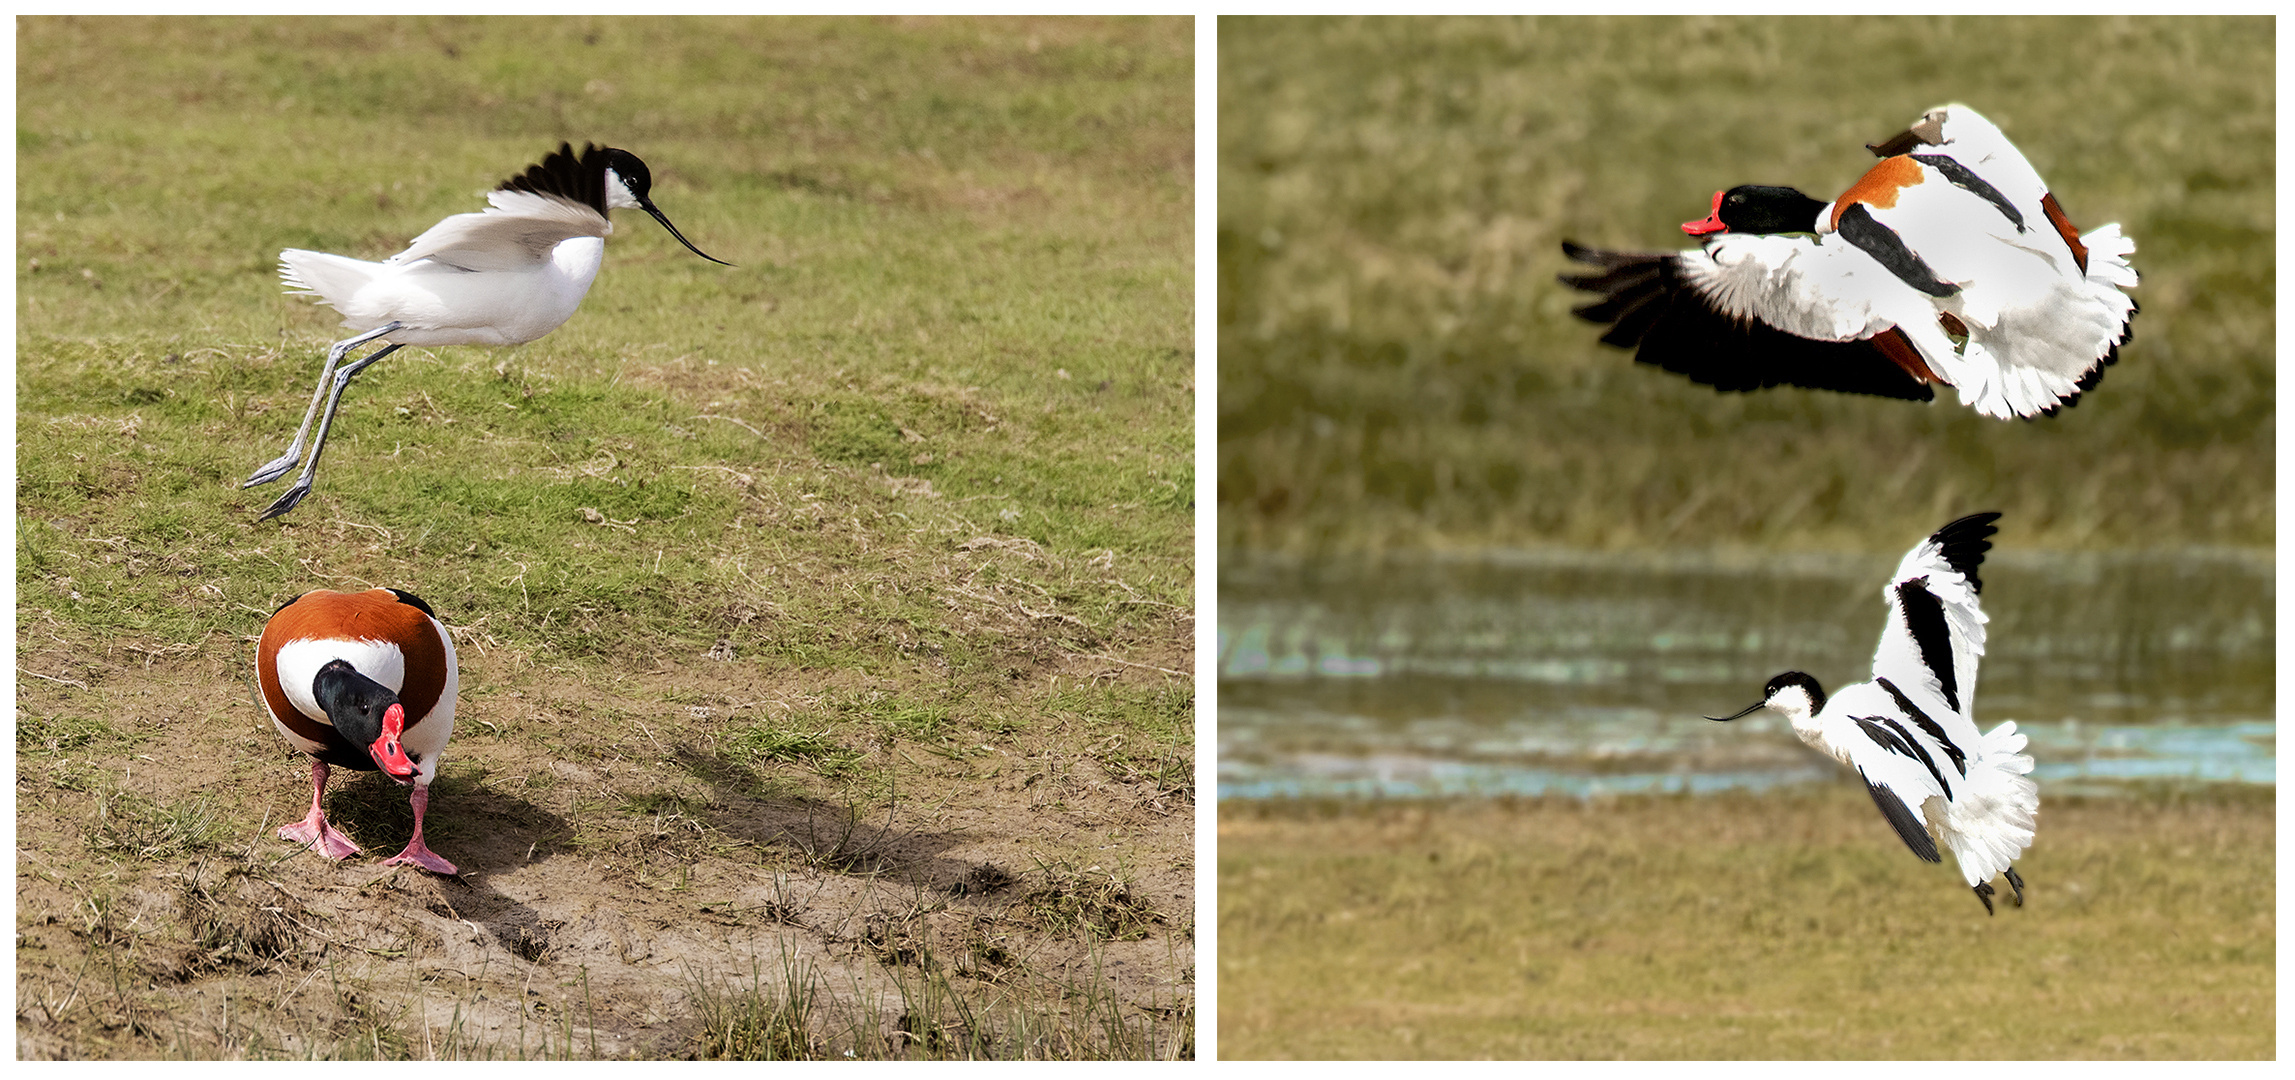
1749	312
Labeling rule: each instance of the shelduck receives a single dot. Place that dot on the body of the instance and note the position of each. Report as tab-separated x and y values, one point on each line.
1911	732
363	680
1928	270
503	276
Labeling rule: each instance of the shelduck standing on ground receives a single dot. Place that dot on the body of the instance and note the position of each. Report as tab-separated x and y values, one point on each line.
1911	732
1949	261
363	680
503	276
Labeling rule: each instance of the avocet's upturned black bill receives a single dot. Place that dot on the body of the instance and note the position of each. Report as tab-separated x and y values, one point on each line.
1949	262
503	276
1911	732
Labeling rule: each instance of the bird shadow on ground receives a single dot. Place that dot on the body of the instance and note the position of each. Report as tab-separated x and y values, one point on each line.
840	837
484	831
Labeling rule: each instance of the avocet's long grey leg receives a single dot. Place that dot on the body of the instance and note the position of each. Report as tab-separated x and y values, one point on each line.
302	485
278	467
1984	893
2017	883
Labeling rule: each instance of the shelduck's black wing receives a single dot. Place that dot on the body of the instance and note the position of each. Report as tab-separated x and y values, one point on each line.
1651	301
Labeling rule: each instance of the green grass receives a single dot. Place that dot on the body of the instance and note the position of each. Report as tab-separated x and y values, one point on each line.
1398	366
768	535
882	365
1785	925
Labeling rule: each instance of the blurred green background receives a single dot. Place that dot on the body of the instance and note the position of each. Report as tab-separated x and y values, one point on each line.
1399	369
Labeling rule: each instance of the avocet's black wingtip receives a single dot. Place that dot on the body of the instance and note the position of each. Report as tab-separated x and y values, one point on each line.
1964	542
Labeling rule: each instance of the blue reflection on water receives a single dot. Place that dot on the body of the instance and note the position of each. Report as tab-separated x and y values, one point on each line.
1586	674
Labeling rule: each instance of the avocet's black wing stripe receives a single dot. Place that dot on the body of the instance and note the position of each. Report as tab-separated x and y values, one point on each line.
1958	173
1887	248
1892	737
1679	331
1881	736
1929	725
1907	824
1924	618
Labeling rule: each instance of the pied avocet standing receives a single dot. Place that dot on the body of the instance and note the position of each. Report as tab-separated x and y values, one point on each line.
503	276
1950	263
1911	732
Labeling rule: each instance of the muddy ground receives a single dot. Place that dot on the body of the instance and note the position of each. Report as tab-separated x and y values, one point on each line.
624	875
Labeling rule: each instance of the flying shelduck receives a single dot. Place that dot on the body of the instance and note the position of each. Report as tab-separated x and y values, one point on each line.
1948	262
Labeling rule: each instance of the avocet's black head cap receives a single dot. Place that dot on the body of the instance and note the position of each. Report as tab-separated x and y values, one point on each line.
582	179
1769	693
639	180
633	172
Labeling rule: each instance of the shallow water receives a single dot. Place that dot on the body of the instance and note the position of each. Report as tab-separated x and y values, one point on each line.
1531	673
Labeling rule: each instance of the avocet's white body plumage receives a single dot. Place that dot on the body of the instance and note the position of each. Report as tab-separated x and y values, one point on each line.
1911	733
503	276
1947	262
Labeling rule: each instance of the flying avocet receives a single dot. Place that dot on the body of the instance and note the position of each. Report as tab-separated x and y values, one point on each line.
503	276
1911	733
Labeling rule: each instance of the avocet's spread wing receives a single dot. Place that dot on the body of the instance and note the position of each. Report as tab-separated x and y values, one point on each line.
1901	776
1935	634
1754	311
1911	770
517	232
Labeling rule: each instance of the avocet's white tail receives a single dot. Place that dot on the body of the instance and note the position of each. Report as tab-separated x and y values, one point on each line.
334	279
1991	824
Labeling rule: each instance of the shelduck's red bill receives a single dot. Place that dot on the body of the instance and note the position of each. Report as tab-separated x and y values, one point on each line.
1711	223
388	750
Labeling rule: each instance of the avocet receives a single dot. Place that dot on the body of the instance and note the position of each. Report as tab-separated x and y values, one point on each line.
1910	733
503	276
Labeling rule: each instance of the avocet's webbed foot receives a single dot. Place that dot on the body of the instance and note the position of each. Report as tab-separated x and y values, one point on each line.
1984	893
2017	883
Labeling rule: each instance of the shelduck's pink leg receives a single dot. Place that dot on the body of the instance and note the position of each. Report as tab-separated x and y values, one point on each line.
313	831
417	853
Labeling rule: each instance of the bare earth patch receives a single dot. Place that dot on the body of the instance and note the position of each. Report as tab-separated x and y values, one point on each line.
627	874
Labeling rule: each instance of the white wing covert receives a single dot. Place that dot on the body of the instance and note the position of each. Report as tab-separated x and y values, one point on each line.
517	232
1797	284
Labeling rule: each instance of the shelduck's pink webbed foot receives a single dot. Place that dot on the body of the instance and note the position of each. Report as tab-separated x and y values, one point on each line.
313	831
418	853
